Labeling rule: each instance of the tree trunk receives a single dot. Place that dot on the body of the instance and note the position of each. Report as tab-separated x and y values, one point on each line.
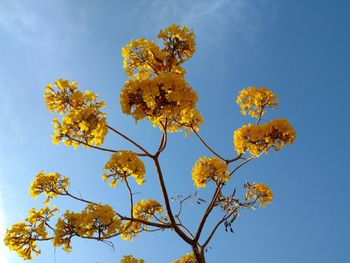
199	254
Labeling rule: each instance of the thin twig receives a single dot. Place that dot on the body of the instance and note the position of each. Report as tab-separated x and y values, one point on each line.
131	198
167	203
92	146
130	140
206	145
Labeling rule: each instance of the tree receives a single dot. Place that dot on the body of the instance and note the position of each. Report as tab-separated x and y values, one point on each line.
157	91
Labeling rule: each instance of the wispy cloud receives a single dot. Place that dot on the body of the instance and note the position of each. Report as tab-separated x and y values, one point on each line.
213	17
41	23
40	27
220	25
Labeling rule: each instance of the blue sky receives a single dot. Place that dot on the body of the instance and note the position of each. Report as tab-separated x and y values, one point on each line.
299	49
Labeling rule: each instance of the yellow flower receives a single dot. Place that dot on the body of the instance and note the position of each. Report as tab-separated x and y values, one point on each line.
157	89
259	139
94	221
143	59
145	210
83	120
51	184
166	97
131	259
22	237
123	164
187	258
259	192
179	41
256	100
207	169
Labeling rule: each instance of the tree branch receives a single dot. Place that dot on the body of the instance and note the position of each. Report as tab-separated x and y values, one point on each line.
206	145
131	198
167	203
208	210
92	146
224	218
130	140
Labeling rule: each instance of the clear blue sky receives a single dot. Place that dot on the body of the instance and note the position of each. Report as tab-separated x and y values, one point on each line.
299	49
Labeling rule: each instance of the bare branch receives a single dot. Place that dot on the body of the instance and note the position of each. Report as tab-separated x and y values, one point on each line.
208	210
130	140
167	203
206	145
131	198
92	146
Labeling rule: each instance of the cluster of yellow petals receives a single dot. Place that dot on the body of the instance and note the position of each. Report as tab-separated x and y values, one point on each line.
206	169
123	164
259	192
188	258
83	119
131	259
22	237
166	97
143	59
178	40
259	139
95	220
256	100
157	89
144	210
51	184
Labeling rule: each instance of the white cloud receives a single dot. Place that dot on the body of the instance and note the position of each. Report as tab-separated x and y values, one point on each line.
214	17
222	25
42	23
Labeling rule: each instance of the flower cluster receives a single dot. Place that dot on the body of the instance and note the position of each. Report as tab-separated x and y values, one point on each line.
144	210
83	120
167	97
51	184
256	100
187	258
259	192
95	221
131	259
178	41
207	169
143	59
22	237
123	164
157	89
259	139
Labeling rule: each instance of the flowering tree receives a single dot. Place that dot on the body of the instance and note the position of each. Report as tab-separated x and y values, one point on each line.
156	90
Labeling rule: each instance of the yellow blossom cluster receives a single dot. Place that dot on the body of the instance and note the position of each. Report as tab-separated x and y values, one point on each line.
206	169
51	184
187	258
259	192
256	100
167	97
83	120
131	259
144	210
143	59
157	89
22	237
95	221
123	164
179	41
259	139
